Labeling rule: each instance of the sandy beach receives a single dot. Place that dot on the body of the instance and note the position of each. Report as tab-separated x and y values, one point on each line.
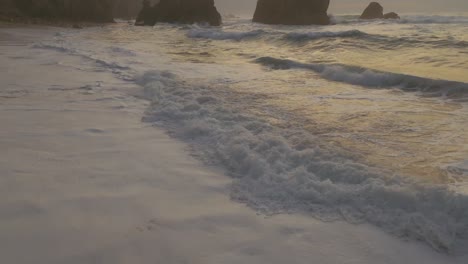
84	180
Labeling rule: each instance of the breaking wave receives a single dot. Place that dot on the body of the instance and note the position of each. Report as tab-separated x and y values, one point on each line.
434	20
284	170
372	78
287	169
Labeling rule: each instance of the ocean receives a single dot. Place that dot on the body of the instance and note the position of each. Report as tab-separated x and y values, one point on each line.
361	121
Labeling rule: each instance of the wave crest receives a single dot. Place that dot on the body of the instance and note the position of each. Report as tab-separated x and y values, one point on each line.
434	20
324	34
372	78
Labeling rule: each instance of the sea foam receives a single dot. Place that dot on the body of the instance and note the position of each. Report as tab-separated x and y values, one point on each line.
284	170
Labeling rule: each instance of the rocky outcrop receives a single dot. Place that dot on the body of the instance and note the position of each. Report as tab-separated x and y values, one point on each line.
376	11
292	12
391	15
126	8
76	10
179	11
373	11
8	10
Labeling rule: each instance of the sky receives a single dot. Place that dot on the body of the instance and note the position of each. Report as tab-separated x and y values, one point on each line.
247	7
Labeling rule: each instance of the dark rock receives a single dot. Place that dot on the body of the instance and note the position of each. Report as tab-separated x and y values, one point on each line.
391	15
292	12
76	10
179	11
147	15
373	11
126	9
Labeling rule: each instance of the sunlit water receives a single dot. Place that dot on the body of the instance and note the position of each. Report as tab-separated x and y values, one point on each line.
392	96
422	133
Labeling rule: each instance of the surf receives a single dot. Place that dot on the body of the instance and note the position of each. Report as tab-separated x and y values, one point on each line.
373	78
283	168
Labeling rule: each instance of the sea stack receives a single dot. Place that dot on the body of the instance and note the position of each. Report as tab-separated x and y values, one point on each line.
391	15
179	11
376	11
126	8
292	12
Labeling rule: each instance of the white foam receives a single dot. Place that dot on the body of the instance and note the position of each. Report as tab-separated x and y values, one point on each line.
373	78
286	170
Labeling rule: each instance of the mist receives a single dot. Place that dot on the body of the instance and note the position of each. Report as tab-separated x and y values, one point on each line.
247	7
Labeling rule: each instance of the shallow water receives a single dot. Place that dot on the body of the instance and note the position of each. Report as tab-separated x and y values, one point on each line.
395	93
364	121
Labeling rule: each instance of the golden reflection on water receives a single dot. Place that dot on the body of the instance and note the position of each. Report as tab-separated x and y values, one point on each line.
404	133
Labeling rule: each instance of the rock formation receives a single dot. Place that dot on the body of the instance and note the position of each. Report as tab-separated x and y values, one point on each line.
126	8
292	12
76	10
179	11
373	11
391	15
376	11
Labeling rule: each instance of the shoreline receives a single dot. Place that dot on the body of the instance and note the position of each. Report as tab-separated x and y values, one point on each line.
84	180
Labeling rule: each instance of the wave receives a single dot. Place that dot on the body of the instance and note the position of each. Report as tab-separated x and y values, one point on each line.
383	42
224	35
405	19
373	78
296	36
380	41
114	66
286	170
255	34
434	20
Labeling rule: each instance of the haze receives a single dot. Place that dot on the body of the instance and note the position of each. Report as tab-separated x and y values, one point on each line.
246	7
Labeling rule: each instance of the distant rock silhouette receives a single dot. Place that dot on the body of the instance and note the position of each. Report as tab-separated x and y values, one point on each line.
126	8
391	15
77	10
179	11
292	12
376	11
373	11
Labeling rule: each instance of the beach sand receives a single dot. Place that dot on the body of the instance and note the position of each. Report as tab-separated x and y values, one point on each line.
83	180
